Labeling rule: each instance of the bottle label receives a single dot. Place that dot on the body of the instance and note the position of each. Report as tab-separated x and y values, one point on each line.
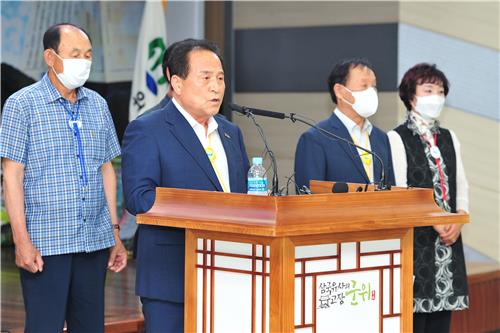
257	185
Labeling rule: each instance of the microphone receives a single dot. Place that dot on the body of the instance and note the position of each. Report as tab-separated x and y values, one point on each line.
382	186
304	190
258	112
340	188
250	114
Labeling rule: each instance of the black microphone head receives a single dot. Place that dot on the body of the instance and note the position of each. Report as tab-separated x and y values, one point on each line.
304	190
382	187
340	188
237	108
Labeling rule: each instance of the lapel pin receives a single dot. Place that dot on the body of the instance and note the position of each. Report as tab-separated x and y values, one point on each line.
227	135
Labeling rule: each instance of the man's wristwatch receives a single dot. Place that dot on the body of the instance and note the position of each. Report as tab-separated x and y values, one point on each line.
116	226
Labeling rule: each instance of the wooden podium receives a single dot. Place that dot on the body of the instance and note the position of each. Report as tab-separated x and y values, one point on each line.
313	263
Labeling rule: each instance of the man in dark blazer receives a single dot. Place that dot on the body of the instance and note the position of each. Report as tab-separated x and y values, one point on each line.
352	86
170	147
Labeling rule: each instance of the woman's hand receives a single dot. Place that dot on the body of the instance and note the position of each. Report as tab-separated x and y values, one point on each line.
451	234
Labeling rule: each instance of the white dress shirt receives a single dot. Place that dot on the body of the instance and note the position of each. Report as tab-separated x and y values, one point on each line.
360	135
210	136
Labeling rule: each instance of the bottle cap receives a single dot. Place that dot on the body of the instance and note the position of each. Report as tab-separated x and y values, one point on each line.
257	160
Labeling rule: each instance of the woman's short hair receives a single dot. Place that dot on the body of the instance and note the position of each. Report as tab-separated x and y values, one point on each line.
420	74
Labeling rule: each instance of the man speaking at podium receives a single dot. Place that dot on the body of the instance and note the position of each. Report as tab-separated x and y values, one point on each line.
352	86
182	145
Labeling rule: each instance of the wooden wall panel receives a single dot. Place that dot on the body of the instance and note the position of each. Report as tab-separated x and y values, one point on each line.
273	14
482	316
473	21
214	22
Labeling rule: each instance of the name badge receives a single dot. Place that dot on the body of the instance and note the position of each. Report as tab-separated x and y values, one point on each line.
435	152
210	154
73	122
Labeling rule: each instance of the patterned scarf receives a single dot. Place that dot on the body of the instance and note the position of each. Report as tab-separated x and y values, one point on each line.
425	129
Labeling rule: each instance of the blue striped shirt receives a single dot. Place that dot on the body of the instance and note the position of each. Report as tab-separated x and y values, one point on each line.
62	215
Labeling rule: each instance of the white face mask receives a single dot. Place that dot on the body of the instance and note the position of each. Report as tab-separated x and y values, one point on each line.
75	73
365	102
430	106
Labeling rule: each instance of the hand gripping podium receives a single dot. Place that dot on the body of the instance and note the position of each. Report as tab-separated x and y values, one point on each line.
326	262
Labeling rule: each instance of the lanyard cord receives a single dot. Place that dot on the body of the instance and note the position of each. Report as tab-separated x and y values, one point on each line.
76	130
211	156
366	158
441	176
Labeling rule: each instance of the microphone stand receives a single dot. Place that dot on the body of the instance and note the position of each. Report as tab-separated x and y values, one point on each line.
274	188
382	186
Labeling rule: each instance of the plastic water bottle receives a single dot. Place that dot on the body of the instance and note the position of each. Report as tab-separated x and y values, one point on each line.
257	180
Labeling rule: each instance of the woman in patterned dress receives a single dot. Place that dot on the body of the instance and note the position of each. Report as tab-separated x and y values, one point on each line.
427	155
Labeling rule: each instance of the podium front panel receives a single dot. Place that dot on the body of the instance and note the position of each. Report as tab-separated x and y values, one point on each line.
348	287
232	286
339	286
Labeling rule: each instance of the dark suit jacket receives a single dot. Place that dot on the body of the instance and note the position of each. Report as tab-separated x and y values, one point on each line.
158	106
319	157
160	149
